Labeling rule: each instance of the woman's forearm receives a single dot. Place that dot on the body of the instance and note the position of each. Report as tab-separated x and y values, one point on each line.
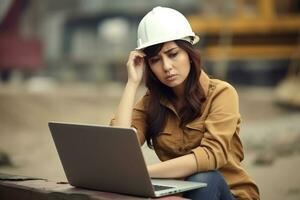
124	111
175	168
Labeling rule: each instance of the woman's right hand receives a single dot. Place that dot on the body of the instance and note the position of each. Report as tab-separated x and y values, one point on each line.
135	66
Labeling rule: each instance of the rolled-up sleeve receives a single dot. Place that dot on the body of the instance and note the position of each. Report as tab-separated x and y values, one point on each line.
220	126
138	120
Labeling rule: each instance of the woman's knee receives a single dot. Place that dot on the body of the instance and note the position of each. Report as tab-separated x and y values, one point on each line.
217	187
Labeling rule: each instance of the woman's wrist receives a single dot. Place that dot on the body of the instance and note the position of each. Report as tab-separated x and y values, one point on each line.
133	84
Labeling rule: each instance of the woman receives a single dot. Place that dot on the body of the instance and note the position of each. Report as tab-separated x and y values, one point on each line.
190	120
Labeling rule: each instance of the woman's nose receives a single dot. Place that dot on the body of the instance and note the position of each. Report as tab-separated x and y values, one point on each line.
167	64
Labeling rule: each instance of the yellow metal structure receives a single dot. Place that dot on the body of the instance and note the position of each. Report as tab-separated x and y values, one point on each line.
266	22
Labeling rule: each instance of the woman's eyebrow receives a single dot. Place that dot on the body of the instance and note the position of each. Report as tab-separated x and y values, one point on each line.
168	50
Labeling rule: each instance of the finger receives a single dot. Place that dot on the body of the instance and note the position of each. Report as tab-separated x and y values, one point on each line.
137	53
136	57
138	60
141	53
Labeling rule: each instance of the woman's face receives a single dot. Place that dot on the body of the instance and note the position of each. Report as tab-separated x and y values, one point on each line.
171	65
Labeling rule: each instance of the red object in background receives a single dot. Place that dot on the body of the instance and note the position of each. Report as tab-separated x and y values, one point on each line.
17	51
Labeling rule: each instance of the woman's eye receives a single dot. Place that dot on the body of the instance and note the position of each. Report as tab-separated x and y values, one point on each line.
172	55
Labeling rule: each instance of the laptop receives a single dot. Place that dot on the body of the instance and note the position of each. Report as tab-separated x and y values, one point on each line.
109	159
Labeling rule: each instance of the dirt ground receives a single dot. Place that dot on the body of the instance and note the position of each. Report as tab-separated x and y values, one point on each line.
270	133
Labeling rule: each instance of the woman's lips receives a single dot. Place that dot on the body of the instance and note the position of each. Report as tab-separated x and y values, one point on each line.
171	77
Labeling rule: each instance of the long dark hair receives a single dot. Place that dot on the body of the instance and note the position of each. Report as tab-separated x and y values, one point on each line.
193	93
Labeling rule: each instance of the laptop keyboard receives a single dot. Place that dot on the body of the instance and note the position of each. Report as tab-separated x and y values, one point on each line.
160	187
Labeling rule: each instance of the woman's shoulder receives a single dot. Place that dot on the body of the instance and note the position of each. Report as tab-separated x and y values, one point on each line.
218	86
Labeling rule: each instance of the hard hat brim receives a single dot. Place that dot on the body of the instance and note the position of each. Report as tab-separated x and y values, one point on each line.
195	40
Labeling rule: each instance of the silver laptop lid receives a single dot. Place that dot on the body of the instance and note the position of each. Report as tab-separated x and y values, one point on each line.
91	160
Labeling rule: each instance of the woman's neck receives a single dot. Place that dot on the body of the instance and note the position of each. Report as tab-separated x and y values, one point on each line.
178	101
179	91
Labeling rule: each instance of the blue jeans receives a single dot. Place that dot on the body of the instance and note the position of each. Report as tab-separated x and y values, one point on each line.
216	187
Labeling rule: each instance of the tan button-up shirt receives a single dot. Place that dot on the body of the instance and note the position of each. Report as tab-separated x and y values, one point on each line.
213	137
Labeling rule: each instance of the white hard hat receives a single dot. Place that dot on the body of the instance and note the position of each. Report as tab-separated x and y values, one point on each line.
163	24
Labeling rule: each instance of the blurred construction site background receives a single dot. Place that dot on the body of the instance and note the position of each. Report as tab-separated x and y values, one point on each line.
65	61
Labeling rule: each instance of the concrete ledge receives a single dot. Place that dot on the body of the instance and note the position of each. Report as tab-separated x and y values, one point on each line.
27	188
